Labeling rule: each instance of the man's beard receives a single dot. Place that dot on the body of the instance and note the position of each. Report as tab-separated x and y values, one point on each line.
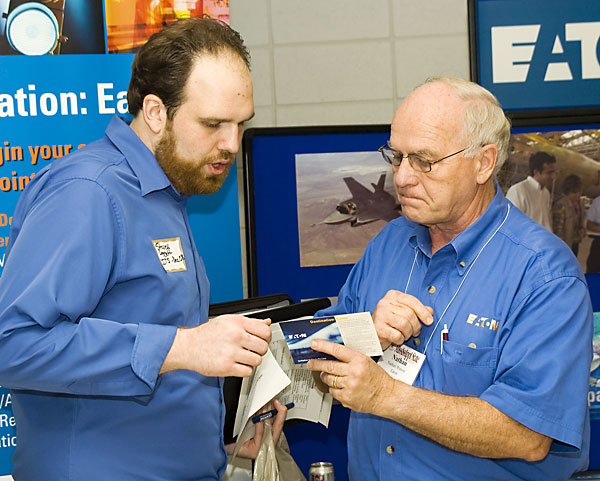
187	176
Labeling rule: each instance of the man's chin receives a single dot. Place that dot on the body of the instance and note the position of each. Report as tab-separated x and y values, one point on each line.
205	186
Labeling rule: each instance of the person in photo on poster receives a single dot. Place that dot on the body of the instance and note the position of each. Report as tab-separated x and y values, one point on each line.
467	295
568	216
533	195
593	229
114	368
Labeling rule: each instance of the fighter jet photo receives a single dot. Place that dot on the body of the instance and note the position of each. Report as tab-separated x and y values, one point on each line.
364	206
344	200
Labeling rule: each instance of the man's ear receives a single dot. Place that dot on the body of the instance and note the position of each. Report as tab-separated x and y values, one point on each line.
155	113
487	164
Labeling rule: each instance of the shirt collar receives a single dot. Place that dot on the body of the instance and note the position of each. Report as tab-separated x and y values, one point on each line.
469	242
534	183
420	238
138	156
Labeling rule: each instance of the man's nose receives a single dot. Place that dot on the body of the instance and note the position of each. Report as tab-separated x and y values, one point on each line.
403	173
230	139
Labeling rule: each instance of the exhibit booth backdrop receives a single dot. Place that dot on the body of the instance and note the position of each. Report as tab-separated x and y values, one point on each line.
51	105
540	58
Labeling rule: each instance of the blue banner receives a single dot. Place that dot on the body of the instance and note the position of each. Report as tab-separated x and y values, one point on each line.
51	105
8	438
539	54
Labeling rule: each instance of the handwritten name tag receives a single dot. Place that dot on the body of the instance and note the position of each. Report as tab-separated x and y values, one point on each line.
170	254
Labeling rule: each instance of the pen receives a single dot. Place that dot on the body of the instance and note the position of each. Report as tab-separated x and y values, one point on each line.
269	414
444	338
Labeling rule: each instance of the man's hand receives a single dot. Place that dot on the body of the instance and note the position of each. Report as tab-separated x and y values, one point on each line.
354	380
251	447
461	423
398	317
229	345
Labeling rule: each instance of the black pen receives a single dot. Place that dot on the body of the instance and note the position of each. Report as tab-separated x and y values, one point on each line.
269	414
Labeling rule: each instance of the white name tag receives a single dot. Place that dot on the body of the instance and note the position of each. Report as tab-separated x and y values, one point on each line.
170	254
402	363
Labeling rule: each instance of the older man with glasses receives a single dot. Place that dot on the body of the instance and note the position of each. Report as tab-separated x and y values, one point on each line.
484	315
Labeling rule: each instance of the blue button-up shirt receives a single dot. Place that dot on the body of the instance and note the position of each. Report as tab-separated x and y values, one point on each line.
87	316
520	327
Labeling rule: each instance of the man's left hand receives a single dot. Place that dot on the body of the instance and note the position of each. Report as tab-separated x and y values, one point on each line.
354	379
251	447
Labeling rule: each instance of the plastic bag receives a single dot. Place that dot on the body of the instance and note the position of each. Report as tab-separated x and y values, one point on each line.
288	469
275	463
265	465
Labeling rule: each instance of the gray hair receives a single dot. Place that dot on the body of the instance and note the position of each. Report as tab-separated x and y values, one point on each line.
485	121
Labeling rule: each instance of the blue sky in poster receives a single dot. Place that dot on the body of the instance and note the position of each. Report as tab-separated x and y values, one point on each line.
539	53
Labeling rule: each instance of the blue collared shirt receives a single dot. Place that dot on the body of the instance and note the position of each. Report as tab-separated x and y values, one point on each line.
520	337
88	314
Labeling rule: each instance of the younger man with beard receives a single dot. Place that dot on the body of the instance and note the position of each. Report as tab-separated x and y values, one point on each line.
114	367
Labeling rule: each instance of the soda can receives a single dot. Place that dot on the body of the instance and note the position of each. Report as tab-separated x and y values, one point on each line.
321	472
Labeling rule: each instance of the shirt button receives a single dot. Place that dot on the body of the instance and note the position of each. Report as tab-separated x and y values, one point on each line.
431	289
416	341
389	449
462	264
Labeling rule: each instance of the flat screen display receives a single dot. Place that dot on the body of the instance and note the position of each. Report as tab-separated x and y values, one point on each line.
314	198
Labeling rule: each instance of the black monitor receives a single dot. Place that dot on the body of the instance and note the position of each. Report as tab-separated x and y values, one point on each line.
305	227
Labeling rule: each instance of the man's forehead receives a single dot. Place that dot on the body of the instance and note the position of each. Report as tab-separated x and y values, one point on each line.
218	79
207	64
432	107
434	99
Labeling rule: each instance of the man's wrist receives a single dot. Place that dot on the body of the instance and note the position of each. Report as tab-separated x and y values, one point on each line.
389	399
174	358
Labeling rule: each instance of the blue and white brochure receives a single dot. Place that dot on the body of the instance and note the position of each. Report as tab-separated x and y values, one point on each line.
353	330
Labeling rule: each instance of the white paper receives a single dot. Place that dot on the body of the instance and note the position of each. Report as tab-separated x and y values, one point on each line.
278	376
266	381
309	403
358	333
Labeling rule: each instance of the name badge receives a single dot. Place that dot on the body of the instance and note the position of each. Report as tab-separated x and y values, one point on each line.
402	363
170	254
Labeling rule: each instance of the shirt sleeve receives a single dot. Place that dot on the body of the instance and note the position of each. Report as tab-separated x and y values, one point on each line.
594	211
62	259
542	374
514	195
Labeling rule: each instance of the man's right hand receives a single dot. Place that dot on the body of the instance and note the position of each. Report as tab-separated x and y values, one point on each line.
229	345
398	317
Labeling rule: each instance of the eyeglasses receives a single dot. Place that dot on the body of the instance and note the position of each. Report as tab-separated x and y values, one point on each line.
417	162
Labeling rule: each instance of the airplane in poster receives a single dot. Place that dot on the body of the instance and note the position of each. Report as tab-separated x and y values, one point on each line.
365	205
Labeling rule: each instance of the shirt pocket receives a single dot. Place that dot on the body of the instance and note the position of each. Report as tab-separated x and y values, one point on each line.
468	371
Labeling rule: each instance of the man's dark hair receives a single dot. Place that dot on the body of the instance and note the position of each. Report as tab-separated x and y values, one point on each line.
163	65
538	160
572	183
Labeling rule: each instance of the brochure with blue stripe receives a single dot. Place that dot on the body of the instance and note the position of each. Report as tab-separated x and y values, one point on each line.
356	331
